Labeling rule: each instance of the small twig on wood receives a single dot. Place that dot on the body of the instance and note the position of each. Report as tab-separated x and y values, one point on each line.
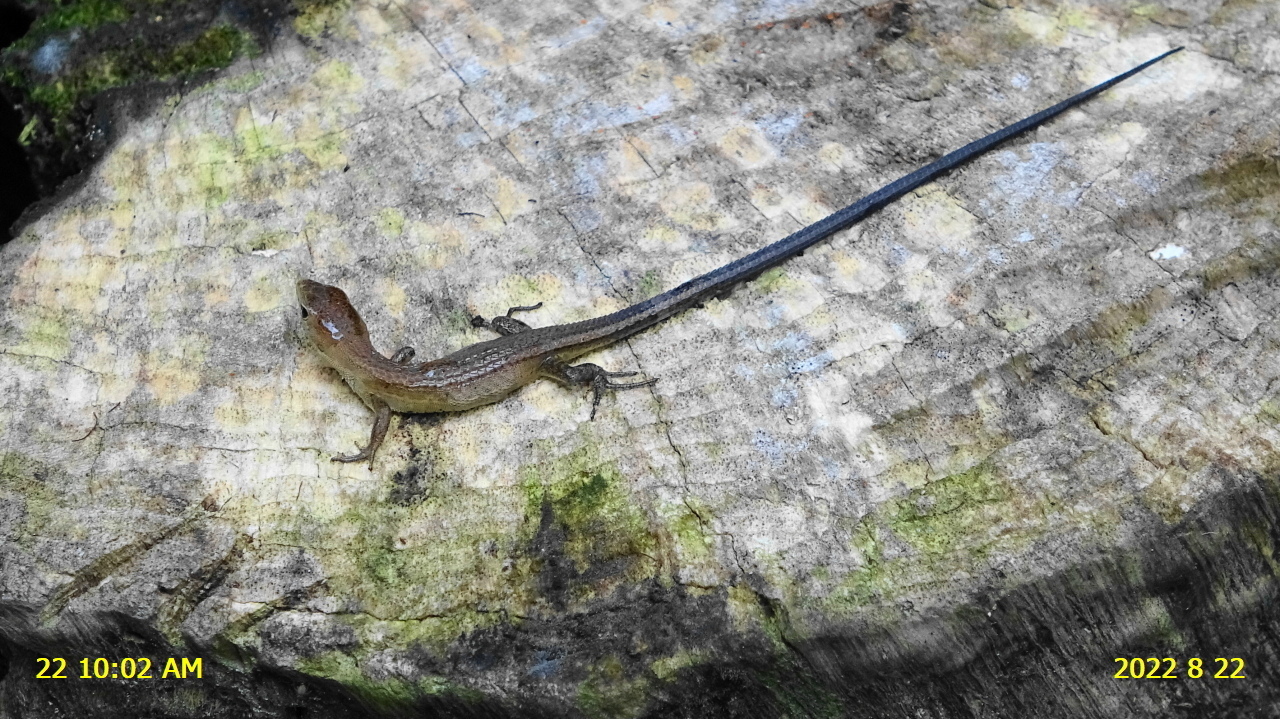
95	423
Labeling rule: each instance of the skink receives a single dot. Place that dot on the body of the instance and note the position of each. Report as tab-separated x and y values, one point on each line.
489	371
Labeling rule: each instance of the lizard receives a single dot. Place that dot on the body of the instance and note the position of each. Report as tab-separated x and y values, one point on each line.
486	372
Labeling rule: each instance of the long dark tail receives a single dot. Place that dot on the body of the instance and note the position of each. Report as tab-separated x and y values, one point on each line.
657	308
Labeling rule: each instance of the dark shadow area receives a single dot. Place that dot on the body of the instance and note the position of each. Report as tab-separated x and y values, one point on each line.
17	189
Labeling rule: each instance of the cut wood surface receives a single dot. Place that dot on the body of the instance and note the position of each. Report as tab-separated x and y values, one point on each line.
952	462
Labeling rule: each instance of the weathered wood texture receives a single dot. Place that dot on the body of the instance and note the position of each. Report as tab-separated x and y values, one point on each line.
951	463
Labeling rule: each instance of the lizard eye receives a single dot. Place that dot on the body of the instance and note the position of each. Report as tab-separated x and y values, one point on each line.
304	312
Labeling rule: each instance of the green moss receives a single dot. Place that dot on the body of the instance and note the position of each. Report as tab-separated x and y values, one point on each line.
770	279
668	668
948	523
28	131
589	501
45	335
690	532
317	18
1253	177
390	694
650	284
84	15
608	694
215	48
390	222
29	479
943	515
271	241
457	322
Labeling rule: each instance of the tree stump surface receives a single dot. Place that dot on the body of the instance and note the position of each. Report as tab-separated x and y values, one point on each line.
952	462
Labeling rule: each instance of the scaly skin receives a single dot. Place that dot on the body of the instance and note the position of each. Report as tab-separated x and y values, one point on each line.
486	372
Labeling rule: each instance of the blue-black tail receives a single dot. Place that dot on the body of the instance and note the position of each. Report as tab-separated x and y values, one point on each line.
657	308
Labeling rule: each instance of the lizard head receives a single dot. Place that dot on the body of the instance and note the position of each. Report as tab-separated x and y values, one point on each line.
328	319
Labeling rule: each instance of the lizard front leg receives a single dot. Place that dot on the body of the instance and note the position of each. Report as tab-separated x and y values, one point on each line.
505	325
381	421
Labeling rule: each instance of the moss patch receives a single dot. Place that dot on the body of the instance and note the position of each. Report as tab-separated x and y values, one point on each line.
390	694
668	668
650	284
319	18
939	517
85	15
1253	177
947	525
28	479
589	502
75	50
609	694
770	280
215	48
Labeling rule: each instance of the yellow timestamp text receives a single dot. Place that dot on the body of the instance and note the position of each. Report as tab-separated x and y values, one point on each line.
127	668
1169	668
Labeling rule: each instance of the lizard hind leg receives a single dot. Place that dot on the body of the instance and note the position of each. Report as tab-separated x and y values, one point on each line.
505	325
590	375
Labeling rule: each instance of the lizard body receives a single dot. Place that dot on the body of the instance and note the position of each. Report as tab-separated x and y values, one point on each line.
488	371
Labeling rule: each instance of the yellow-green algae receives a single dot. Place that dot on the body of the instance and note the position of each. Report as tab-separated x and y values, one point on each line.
986	39
650	284
1252	258
46	333
1228	11
686	523
770	279
1115	326
947	523
941	517
215	48
19	474
419	576
317	18
1161	15
608	693
390	222
79	14
589	500
668	668
1252	177
257	160
390	693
